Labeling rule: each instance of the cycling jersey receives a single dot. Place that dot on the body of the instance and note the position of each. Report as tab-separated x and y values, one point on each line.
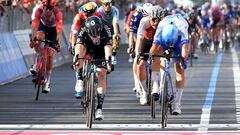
78	20
96	49
113	15
145	29
55	20
182	27
205	21
135	20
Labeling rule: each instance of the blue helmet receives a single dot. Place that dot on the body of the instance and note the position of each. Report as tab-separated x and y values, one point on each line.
169	35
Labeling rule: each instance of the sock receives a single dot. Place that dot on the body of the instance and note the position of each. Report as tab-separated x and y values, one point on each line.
178	95
136	82
100	98
49	76
144	86
79	74
155	78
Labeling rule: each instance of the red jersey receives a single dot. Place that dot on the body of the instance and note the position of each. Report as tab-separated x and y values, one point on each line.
79	19
55	20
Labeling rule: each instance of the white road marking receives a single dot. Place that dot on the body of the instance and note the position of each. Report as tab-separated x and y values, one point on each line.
111	126
206	110
236	74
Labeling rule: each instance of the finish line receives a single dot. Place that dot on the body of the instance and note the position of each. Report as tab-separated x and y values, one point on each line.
111	126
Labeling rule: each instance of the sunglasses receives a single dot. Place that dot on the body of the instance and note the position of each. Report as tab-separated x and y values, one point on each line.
107	4
49	7
156	19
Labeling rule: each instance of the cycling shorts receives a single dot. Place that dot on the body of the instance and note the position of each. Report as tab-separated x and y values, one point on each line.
146	46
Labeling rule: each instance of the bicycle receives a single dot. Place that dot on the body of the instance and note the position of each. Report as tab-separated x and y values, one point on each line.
205	42
41	74
90	82
167	95
150	97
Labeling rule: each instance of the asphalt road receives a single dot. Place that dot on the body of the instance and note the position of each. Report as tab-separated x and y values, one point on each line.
211	100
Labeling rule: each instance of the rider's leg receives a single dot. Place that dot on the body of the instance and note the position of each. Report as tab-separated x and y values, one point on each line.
180	79
101	90
155	75
141	74
80	50
136	82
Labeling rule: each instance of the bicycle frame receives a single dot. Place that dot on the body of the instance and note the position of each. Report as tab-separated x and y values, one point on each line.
90	84
167	95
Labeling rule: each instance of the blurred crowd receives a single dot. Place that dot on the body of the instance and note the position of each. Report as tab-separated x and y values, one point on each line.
68	5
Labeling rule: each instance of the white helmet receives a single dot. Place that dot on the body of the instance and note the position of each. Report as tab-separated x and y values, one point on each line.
146	9
156	11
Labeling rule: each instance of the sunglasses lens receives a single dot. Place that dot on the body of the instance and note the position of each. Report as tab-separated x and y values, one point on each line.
107	4
49	7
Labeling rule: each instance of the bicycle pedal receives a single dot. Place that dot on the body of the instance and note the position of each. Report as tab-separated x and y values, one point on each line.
45	92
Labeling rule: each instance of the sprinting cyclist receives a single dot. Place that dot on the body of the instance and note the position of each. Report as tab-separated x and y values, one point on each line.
173	31
145	34
193	31
46	24
134	24
216	25
96	37
110	14
87	10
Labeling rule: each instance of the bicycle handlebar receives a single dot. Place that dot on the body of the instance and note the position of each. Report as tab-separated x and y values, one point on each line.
91	60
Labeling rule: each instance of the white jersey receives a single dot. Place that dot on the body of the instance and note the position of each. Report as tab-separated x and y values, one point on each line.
34	10
177	20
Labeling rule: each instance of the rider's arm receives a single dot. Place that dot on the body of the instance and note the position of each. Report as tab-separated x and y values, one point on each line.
130	41
115	22
59	26
185	51
140	35
35	22
75	28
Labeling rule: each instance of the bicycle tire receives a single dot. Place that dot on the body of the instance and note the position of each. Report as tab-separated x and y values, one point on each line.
149	85
91	106
153	107
39	79
164	102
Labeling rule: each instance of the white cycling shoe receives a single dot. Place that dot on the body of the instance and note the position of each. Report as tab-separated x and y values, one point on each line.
46	88
143	98
99	114
176	109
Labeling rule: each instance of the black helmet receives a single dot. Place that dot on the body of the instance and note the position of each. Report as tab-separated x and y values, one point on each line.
94	26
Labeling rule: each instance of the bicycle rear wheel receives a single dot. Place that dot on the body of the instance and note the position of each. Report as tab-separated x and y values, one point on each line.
149	86
91	105
164	101
153	106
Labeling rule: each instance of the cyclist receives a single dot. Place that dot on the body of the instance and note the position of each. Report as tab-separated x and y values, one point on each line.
204	20
173	31
96	37
110	14
193	30
145	34
134	24
87	10
216	24
130	11
46	24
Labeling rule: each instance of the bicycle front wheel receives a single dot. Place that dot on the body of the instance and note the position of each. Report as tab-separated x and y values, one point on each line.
91	105
40	78
164	101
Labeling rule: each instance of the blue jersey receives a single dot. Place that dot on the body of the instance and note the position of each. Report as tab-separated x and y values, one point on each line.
205	21
182	27
113	15
135	20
